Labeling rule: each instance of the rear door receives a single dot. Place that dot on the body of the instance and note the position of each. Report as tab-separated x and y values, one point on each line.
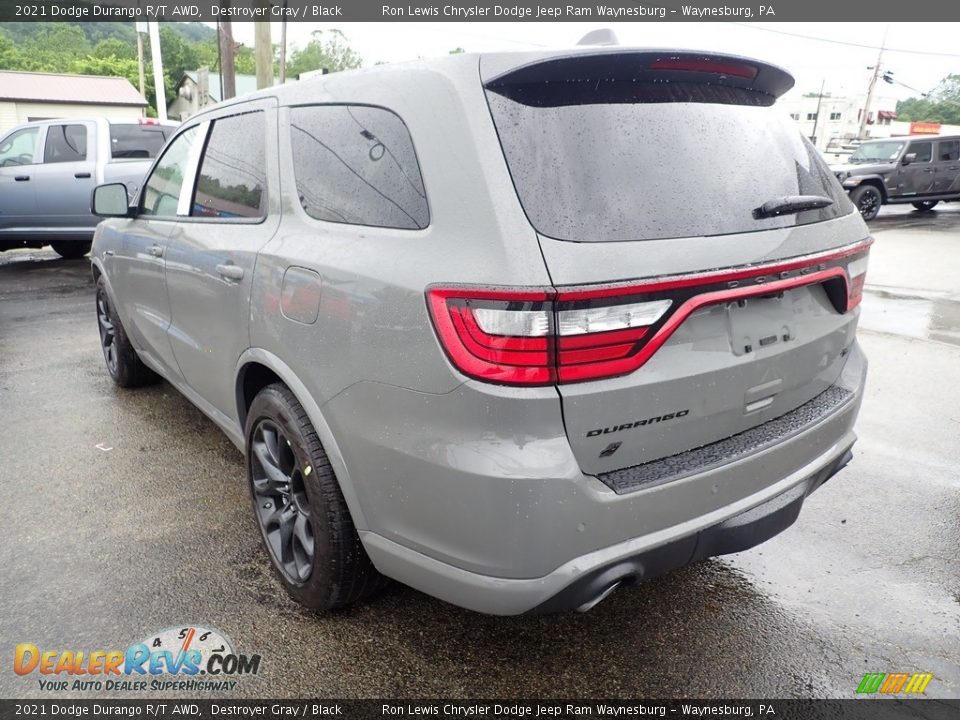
684	314
947	176
65	179
919	176
212	252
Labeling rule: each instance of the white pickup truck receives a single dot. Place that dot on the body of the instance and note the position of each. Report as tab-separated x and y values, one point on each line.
49	168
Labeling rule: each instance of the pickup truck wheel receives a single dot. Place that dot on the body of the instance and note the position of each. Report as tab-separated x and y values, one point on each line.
302	515
867	200
123	364
71	250
926	204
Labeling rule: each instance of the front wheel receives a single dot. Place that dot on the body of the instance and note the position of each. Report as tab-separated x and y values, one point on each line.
72	250
300	510
867	200
925	205
124	365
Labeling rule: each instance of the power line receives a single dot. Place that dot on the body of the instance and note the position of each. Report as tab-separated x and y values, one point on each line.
847	43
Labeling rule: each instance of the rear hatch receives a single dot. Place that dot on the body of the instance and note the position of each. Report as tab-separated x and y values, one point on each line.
705	262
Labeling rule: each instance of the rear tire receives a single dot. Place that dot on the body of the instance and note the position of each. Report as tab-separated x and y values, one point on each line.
124	365
867	200
925	205
303	518
71	251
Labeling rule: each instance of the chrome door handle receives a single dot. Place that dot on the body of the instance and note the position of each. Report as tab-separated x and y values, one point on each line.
155	250
230	272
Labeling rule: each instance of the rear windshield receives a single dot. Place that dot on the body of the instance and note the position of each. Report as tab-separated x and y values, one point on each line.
596	162
136	141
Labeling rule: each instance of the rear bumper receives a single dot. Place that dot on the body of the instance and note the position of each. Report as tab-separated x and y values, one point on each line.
579	583
500	522
735	534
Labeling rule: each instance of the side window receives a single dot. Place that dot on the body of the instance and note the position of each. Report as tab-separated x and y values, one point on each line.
161	192
924	151
233	171
948	150
356	164
65	143
18	148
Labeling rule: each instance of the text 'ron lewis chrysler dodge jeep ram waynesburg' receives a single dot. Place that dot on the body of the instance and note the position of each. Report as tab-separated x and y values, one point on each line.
512	329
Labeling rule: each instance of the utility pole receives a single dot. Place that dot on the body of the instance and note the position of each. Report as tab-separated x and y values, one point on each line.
816	115
283	46
158	87
263	50
873	83
228	70
141	28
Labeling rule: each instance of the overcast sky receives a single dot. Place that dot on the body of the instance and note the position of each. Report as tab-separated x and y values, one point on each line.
935	50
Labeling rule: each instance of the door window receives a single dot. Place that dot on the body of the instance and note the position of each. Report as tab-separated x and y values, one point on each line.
948	150
18	148
923	150
233	174
65	143
161	192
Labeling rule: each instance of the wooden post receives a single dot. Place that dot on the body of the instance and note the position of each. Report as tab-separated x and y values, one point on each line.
263	49
228	71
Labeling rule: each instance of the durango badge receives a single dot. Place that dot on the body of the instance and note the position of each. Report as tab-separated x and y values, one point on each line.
638	423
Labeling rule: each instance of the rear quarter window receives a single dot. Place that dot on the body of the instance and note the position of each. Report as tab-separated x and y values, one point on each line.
356	164
617	161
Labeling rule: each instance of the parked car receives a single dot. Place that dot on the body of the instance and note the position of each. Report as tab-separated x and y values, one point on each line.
48	170
473	335
923	171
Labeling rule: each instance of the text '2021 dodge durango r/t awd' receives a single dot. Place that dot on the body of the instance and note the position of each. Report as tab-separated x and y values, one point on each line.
512	329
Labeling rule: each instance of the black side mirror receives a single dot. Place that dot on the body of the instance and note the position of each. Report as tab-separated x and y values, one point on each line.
110	200
908	158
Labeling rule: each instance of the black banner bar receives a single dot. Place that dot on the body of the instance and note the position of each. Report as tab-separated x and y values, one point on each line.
480	10
173	709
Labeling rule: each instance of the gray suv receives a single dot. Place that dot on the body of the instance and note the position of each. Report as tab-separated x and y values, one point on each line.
922	171
513	329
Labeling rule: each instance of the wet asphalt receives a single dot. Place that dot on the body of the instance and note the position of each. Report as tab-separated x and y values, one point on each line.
126	512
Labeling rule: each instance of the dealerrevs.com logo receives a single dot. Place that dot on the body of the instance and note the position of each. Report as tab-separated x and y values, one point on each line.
184	658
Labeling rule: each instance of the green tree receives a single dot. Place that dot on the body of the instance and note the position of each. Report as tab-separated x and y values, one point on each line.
114	47
328	50
941	105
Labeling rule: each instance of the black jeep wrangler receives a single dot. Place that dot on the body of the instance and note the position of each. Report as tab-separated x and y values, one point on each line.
923	171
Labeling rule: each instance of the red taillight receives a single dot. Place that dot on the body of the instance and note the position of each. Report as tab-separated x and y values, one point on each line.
718	67
537	337
511	359
543	336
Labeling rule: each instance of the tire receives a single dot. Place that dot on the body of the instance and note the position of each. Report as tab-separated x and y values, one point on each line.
302	516
71	251
867	200
123	364
925	205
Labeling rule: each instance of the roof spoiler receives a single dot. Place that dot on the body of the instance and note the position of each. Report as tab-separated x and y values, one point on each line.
617	64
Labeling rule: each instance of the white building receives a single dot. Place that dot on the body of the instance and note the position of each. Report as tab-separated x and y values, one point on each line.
837	119
26	96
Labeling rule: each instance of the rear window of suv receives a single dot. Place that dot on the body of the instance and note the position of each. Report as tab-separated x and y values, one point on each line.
614	161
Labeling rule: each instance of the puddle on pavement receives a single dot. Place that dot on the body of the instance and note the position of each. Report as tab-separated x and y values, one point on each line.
937	319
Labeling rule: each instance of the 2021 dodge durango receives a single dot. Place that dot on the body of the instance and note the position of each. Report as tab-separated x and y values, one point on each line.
513	329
